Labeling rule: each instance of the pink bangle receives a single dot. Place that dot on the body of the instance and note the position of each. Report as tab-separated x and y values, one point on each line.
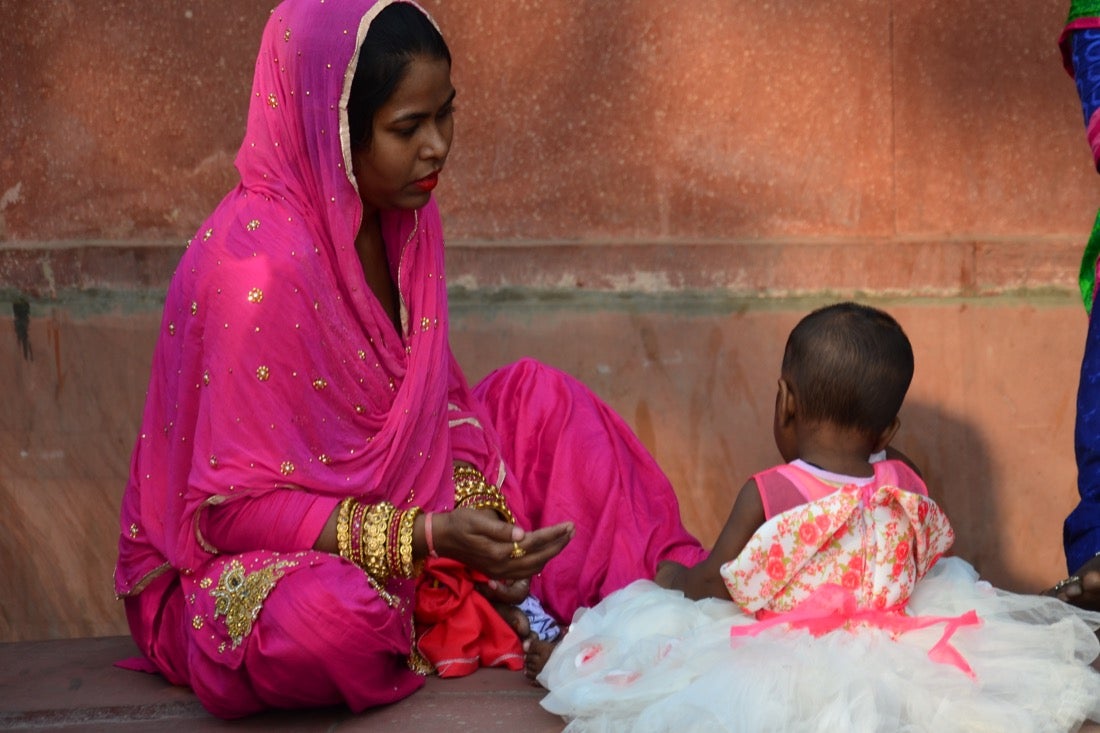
428	534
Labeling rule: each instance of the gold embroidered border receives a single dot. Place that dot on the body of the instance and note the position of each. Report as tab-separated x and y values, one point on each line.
239	595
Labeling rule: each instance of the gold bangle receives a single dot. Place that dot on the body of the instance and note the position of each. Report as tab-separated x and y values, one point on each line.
491	501
343	533
473	491
393	546
376	527
358	511
361	537
468	480
405	543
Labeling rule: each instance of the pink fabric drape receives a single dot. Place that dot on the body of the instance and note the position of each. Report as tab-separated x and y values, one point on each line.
573	459
276	367
277	370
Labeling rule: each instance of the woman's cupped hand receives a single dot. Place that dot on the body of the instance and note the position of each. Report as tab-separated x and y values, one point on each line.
483	541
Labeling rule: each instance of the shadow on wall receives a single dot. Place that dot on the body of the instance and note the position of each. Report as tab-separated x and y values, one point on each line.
990	426
956	465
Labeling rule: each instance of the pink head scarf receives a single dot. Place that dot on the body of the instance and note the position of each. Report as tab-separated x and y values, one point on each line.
276	367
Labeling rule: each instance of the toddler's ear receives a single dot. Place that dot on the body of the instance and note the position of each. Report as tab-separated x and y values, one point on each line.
786	405
887	435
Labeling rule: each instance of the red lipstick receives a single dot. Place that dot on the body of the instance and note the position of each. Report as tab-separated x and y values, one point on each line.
427	183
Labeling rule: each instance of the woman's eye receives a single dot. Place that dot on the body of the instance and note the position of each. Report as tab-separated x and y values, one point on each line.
407	131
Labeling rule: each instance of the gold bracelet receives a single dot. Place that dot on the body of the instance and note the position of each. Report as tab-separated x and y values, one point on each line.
362	536
474	492
376	527
355	522
343	533
468	480
405	543
490	501
393	544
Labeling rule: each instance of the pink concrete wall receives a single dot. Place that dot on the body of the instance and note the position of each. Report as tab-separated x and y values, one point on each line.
685	180
715	120
989	419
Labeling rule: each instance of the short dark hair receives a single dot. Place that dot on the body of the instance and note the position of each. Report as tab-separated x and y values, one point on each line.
398	34
849	364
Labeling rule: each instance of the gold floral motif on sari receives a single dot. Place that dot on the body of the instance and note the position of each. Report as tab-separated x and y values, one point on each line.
239	596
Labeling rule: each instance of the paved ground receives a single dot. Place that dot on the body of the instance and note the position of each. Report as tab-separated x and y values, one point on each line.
73	686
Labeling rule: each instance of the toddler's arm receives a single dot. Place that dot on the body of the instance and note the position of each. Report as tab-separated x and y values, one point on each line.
703	580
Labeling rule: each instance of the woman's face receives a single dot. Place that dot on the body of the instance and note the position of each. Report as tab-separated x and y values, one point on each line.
410	138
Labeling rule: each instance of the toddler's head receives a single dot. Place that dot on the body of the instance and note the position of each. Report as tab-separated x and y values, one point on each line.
849	365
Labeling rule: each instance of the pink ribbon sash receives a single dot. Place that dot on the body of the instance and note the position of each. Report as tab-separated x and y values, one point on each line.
832	607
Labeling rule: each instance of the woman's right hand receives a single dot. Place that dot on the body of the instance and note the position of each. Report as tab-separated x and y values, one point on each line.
481	540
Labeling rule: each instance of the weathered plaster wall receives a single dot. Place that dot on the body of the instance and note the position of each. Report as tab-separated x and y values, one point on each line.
989	418
586	122
645	194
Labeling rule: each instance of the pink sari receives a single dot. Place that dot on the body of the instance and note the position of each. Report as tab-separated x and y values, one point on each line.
277	370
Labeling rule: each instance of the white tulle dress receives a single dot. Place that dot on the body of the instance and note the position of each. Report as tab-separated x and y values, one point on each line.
844	617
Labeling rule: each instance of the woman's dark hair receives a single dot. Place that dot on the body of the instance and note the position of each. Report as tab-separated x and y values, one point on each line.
850	365
399	33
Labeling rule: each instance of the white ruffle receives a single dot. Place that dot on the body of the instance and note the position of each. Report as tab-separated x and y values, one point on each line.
648	659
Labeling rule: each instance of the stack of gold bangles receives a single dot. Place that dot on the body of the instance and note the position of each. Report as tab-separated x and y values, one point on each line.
379	539
474	492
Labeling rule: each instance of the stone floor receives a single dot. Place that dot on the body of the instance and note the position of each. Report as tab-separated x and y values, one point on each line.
72	685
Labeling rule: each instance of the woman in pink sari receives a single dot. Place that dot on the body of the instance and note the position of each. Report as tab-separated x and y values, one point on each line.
316	492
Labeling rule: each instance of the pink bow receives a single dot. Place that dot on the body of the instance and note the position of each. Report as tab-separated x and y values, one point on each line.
832	607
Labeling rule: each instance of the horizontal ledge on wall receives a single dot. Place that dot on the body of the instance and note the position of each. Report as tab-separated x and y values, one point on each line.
893	267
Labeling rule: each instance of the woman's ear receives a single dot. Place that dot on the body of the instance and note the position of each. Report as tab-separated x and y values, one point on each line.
887	435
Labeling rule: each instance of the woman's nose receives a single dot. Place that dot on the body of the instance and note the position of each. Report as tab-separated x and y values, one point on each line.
436	145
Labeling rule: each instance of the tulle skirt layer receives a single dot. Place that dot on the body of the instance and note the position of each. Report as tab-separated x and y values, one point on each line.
647	659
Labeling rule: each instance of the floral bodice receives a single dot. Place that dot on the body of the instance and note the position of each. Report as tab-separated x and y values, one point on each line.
875	540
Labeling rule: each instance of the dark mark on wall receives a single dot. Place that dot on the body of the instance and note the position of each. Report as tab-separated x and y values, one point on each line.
22	313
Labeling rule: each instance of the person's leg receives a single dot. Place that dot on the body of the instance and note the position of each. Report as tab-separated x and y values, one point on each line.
321	636
573	459
1082	526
